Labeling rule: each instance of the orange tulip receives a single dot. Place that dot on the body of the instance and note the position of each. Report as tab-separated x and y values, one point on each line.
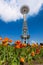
0	38
3	41
21	59
10	41
17	46
24	45
5	44
41	46
6	39
34	45
32	53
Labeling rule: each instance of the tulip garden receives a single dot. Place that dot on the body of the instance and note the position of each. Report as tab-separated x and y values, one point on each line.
20	53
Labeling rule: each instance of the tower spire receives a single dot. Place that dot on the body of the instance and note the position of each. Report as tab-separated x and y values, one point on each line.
24	36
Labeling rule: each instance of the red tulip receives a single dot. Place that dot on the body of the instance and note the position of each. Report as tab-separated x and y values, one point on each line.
18	42
21	45
37	51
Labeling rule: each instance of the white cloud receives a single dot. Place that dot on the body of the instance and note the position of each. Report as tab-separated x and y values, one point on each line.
10	9
33	41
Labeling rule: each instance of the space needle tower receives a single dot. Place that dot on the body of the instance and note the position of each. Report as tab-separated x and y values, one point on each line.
25	36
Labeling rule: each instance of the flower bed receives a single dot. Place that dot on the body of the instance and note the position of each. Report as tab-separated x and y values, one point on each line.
21	54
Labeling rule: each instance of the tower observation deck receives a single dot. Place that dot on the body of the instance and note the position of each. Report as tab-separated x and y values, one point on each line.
24	11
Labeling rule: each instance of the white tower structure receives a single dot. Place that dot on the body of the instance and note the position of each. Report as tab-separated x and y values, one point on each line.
24	11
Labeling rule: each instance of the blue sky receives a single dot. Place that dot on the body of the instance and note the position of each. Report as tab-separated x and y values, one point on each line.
13	29
11	20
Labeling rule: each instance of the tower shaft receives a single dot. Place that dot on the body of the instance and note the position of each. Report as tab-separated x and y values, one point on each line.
24	25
